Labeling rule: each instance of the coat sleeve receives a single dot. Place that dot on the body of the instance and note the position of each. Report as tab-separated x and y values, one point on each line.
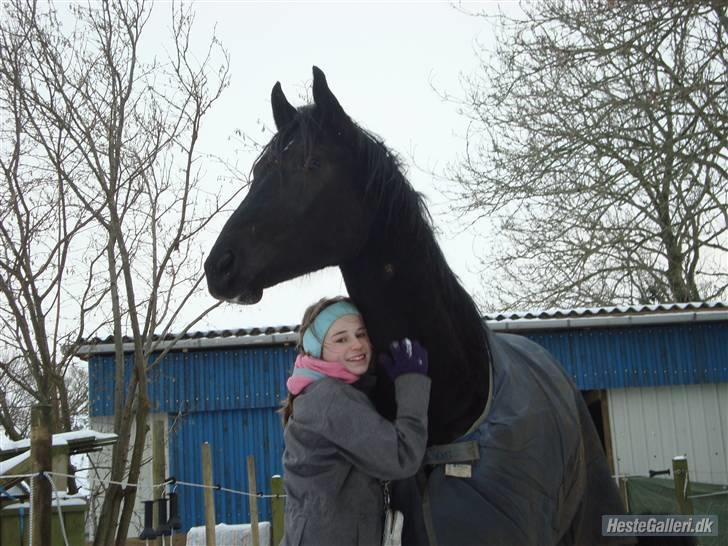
383	449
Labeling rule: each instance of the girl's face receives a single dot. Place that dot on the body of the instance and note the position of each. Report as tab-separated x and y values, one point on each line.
347	342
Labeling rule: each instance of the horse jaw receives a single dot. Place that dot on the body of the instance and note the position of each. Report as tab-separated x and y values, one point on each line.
244	296
249	297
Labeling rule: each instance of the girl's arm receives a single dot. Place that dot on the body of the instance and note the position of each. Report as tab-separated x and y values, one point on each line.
378	447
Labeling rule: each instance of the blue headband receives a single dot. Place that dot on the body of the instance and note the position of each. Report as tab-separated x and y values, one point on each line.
313	336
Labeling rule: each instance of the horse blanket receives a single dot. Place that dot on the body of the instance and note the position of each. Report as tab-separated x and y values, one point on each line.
531	471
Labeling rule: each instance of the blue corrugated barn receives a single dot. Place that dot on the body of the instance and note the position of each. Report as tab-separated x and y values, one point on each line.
225	388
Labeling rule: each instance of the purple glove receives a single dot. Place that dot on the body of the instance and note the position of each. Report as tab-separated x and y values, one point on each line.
407	357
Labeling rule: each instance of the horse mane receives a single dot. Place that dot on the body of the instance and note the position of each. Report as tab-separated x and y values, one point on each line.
460	339
400	206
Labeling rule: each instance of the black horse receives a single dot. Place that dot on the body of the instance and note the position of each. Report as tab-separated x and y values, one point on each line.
326	192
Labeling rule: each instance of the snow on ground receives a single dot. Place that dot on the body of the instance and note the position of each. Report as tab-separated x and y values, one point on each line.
61	439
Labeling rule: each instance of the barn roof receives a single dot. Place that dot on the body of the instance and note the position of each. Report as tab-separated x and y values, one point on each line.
511	321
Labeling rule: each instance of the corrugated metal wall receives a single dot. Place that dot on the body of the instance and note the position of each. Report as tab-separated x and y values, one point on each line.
233	435
649	426
227	397
191	381
612	358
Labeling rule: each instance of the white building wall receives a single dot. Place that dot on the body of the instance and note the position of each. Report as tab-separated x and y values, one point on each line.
651	425
101	468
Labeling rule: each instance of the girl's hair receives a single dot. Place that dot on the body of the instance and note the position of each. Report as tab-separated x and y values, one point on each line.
309	315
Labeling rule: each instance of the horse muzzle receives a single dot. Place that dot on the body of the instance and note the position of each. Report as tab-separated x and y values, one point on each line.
224	281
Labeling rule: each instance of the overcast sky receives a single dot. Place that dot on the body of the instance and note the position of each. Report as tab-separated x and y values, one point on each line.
382	61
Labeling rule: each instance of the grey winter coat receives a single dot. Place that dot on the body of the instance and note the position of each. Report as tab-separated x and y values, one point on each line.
338	451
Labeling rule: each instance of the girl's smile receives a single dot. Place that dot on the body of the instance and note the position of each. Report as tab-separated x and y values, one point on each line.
347	342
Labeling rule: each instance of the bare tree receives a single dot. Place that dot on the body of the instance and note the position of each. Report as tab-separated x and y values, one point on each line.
108	139
15	402
597	146
43	241
17	396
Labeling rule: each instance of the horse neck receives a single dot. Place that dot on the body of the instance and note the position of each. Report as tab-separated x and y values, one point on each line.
405	288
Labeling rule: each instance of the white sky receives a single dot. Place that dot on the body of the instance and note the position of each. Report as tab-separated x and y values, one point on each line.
381	60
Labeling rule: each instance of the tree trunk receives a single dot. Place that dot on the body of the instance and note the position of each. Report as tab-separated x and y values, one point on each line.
142	411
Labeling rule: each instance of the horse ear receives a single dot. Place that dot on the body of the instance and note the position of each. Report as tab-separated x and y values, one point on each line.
283	112
325	99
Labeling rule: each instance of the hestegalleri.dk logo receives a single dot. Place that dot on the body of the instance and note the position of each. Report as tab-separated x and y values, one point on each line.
660	525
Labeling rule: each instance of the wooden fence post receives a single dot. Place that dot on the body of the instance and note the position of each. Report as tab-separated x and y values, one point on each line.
277	507
253	501
624	491
59	463
682	484
40	455
159	468
209	495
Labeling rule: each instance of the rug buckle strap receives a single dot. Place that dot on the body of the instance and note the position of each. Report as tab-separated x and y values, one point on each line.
458	452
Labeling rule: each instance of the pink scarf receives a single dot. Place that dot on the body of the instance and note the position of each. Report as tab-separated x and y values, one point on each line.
308	369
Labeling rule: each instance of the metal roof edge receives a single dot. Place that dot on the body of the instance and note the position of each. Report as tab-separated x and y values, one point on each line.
86	351
503	325
509	325
613	310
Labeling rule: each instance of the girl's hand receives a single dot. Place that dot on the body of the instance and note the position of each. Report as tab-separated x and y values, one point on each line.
406	357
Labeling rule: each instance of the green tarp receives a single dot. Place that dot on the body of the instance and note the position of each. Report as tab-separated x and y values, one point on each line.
657	496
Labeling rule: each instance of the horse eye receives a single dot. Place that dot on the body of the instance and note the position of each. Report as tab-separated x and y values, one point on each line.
312	164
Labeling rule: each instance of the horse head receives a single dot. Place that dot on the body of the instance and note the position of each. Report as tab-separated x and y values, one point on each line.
305	206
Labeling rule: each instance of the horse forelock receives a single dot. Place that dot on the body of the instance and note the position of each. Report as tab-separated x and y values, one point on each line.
304	127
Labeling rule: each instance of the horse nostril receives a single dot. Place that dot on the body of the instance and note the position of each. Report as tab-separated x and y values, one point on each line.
226	262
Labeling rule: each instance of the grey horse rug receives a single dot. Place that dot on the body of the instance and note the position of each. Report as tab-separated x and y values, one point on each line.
531	471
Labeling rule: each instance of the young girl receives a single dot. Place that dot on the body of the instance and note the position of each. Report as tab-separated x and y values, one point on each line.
338	449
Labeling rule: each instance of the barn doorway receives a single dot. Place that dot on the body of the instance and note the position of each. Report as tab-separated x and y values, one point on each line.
597	402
